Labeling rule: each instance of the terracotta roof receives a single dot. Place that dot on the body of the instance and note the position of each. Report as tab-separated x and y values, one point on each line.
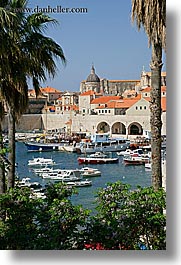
163	102
45	90
147	89
120	104
88	93
116	81
104	99
49	90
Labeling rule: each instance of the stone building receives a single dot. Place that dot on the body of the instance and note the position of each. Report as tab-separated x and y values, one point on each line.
117	87
91	83
146	79
105	86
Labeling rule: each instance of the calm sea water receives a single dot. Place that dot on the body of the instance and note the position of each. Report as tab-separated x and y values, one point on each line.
133	175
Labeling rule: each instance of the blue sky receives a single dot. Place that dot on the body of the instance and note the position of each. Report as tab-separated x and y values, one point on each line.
104	36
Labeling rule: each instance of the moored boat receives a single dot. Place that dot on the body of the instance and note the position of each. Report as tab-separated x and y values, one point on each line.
101	142
25	182
130	152
40	161
97	158
42	147
135	160
63	175
82	183
90	172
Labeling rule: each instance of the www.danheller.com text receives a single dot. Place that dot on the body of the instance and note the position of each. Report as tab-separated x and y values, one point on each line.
50	9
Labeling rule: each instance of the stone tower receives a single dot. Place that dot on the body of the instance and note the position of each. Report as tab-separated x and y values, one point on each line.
93	81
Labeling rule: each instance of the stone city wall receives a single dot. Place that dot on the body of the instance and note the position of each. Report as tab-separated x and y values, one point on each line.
80	123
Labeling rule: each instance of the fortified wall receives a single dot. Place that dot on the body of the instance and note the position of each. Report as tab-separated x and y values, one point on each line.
79	122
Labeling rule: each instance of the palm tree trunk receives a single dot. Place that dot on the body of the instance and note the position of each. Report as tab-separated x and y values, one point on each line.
2	166
155	115
11	154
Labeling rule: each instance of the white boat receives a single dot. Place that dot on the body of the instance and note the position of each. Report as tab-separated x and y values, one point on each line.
40	161
98	155
148	165
135	159
25	182
130	152
69	148
101	142
97	158
41	171
82	183
63	175
90	172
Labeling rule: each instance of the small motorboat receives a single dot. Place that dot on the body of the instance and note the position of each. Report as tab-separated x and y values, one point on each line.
98	158
25	182
135	160
130	152
63	175
82	183
90	172
40	161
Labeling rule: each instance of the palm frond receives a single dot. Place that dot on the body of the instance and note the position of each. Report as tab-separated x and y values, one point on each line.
151	15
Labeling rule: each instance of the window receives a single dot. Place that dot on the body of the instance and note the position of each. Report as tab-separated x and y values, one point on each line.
146	94
140	107
144	107
136	108
109	111
106	111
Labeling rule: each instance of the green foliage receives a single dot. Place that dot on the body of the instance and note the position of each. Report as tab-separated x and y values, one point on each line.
30	223
17	211
125	219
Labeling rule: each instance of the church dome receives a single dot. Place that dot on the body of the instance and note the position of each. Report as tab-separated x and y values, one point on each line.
93	77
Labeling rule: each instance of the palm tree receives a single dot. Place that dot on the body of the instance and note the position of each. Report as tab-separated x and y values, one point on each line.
30	56
151	14
2	153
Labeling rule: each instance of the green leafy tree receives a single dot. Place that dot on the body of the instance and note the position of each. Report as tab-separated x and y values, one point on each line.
17	223
26	53
62	224
128	219
53	223
151	15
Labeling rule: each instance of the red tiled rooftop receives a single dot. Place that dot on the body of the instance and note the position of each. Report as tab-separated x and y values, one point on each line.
45	90
163	102
88	93
148	89
104	99
123	81
49	90
120	104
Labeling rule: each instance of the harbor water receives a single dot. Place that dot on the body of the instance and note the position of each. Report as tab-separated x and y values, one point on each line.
110	173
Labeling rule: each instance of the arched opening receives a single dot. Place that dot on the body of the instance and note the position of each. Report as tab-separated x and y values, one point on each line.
118	128
103	127
135	129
